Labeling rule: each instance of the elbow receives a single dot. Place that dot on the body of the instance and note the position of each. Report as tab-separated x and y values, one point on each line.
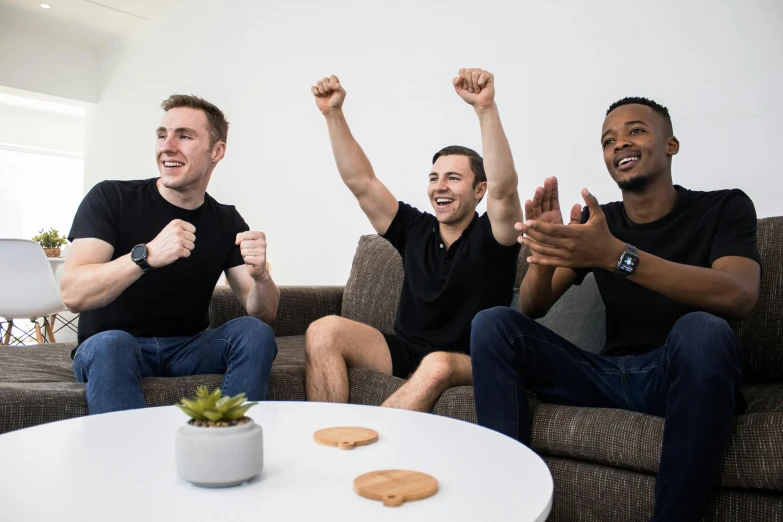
72	301
530	311
741	304
269	316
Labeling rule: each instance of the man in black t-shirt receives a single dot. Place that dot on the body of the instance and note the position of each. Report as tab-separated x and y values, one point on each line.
455	263
145	259
670	264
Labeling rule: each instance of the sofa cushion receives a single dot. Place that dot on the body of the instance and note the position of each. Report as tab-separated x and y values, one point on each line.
37	384
761	333
590	492
579	316
36	363
374	285
633	440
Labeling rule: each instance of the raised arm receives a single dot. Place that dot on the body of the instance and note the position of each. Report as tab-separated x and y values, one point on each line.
477	88
91	280
375	200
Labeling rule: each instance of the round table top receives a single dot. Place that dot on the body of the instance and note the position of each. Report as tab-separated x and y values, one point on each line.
120	466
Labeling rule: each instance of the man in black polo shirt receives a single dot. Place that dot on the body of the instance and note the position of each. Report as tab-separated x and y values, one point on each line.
670	264
455	262
145	259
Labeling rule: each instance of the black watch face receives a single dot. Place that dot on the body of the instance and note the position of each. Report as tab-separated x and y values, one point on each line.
628	263
138	252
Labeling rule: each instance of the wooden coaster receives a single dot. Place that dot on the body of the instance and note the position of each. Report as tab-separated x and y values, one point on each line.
345	437
395	486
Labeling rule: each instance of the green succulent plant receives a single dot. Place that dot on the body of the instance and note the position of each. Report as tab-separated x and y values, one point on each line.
214	408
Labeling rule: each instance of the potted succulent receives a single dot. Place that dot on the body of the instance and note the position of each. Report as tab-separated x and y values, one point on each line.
51	241
219	446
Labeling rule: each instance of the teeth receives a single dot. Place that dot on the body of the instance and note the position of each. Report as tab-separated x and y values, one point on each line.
442	200
172	164
626	160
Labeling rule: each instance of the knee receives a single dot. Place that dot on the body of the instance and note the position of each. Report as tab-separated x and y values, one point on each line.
703	343
258	336
322	334
438	367
493	328
111	345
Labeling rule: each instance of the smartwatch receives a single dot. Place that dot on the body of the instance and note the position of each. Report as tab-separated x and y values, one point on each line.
139	256
628	261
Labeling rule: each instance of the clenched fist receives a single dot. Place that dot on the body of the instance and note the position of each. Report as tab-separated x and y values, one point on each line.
174	242
253	248
476	87
329	95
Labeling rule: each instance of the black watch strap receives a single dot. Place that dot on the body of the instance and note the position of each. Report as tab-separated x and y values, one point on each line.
139	256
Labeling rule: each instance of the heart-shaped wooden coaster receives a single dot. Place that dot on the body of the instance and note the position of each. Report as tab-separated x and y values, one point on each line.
395	486
345	437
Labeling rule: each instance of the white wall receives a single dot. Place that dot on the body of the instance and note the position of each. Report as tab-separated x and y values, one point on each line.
558	66
38	63
35	129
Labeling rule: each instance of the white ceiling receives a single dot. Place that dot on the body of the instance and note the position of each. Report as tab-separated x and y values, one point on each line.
96	24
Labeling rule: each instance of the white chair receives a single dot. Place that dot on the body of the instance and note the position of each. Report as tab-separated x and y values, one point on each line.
27	287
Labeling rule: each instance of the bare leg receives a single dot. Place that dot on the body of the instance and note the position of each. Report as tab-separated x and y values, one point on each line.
332	344
437	372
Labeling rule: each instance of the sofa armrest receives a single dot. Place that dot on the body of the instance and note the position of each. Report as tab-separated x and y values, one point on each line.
299	306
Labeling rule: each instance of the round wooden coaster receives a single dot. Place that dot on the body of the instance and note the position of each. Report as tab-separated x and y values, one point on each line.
395	486
345	437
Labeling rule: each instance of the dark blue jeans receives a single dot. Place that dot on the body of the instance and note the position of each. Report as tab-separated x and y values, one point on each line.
113	363
692	380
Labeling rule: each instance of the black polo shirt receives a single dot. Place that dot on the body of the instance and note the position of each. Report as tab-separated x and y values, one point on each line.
444	288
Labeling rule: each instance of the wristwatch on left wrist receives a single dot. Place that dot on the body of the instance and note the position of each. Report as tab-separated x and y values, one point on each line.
139	256
628	261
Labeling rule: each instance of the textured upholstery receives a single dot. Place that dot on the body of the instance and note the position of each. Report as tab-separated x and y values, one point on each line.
587	492
299	306
761	334
375	284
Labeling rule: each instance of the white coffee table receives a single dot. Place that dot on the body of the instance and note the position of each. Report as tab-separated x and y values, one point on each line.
120	466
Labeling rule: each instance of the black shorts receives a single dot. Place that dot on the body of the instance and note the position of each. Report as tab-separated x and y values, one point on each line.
404	359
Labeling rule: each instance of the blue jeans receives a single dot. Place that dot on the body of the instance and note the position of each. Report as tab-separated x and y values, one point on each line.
693	381
112	363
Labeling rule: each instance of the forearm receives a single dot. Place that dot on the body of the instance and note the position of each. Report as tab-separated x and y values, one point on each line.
535	294
353	165
87	287
263	299
708	289
498	160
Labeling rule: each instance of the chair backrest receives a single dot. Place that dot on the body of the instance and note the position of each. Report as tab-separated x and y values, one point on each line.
27	285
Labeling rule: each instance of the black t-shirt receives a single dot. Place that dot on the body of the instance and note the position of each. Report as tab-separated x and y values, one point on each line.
702	227
172	300
443	289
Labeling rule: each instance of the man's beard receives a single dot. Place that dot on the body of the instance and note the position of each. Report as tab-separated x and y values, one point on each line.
635	184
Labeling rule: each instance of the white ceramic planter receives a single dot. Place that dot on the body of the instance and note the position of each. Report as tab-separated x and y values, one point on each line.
219	457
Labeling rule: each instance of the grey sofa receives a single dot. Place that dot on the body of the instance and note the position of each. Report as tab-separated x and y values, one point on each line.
603	461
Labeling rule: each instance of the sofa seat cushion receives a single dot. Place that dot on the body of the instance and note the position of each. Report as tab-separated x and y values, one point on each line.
38	363
632	440
37	384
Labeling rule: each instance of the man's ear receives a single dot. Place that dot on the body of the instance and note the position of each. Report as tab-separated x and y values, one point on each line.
218	151
673	146
481	190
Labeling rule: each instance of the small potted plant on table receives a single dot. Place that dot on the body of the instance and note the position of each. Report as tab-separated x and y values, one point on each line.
219	446
51	241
